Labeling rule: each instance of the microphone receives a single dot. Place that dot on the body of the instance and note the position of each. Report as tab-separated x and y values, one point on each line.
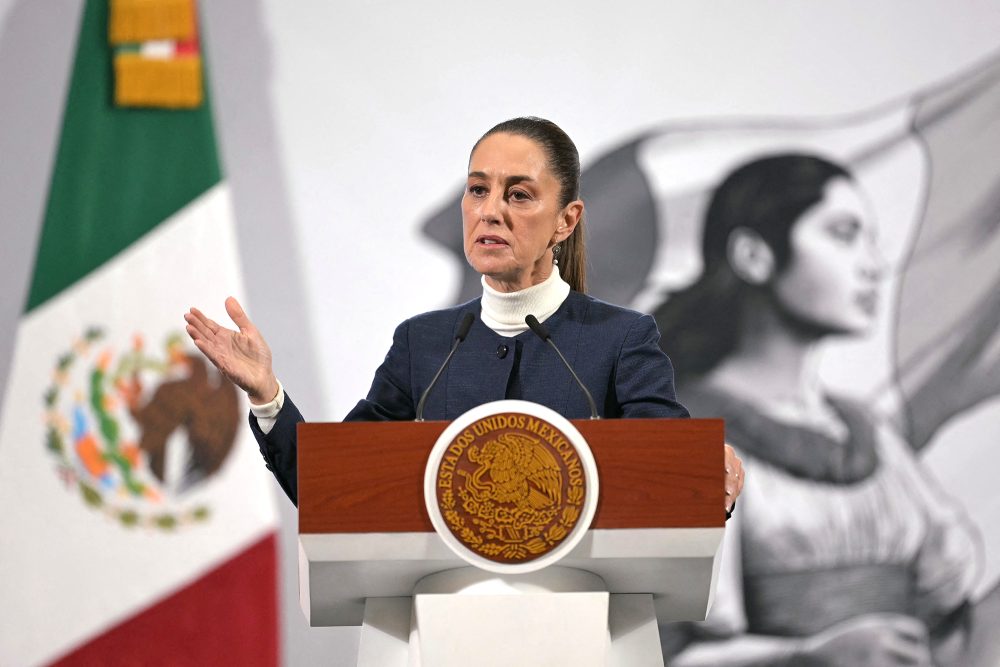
463	331
543	333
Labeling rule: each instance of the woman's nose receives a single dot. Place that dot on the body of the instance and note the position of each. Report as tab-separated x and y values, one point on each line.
875	265
491	208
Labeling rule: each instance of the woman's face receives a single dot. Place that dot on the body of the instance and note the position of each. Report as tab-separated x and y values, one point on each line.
832	279
511	214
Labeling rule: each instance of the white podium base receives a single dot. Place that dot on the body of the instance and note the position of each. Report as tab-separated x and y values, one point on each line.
556	617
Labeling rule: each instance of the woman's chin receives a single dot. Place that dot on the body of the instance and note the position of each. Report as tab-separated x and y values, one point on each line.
492	267
854	327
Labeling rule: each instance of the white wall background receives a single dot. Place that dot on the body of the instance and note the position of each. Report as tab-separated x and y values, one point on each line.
343	124
377	106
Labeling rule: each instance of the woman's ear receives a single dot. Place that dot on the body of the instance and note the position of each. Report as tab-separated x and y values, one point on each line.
749	256
569	218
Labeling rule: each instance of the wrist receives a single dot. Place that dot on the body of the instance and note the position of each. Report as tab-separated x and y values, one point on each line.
266	394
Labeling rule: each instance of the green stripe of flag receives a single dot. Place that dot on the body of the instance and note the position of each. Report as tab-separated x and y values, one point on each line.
119	172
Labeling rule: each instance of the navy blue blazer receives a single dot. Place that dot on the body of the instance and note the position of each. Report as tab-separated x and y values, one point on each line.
615	351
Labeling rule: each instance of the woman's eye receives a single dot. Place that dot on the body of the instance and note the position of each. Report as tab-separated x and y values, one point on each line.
519	195
845	230
477	190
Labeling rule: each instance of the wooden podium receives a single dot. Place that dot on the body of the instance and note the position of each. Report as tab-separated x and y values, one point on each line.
366	540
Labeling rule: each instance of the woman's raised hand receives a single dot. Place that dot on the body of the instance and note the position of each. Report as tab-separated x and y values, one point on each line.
242	356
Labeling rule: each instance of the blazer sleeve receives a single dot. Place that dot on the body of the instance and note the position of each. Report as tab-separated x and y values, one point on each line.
388	399
644	376
279	447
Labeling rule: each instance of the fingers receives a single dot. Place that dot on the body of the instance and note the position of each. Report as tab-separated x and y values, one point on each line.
734	476
237	314
201	326
907	641
204	347
200	323
908	652
212	354
908	627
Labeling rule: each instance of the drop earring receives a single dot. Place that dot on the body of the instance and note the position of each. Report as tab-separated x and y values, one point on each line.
556	249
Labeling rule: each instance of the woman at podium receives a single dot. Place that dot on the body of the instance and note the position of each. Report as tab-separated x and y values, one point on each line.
523	232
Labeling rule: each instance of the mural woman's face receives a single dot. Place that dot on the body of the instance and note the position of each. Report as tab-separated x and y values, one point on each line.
832	279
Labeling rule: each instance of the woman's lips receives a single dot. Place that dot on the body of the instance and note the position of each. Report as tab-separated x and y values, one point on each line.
867	301
491	241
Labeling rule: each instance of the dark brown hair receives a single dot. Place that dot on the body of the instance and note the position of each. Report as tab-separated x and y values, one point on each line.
768	195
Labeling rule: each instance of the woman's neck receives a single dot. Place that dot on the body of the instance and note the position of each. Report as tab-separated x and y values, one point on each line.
504	312
775	367
539	274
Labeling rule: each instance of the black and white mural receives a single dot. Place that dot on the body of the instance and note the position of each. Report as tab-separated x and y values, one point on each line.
860	540
833	291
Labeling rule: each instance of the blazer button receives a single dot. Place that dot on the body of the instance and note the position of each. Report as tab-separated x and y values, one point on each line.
502	350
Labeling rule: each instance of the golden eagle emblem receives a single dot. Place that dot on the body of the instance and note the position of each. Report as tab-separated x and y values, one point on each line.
518	470
511	487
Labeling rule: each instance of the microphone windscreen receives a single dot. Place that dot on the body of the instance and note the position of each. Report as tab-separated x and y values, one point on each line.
536	327
463	328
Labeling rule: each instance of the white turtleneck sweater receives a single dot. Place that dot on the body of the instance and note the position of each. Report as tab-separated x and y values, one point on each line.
503	312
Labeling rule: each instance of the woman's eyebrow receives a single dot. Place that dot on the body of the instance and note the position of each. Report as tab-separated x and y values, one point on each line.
510	180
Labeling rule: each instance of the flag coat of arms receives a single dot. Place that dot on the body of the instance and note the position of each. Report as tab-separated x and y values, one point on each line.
139	522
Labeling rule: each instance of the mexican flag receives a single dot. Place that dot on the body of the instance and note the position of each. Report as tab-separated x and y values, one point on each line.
137	524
